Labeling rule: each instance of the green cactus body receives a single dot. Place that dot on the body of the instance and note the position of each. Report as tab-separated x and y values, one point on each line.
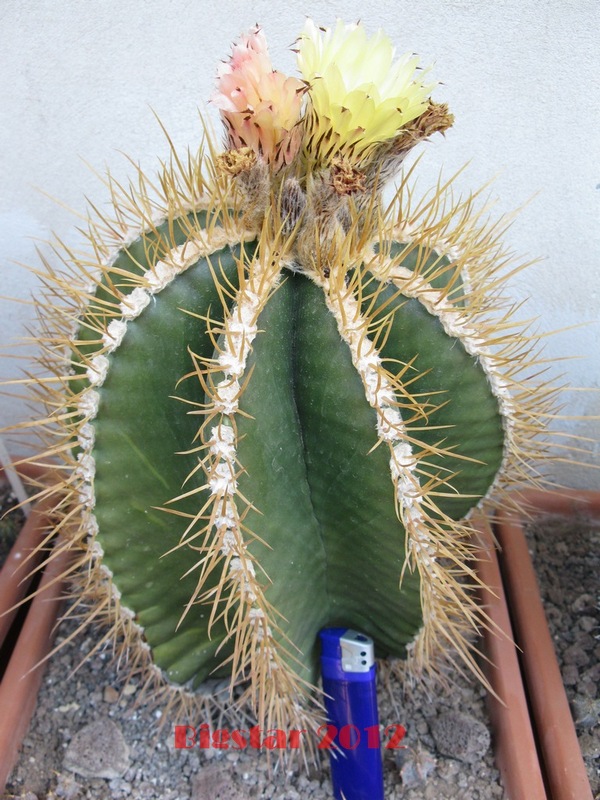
260	447
328	538
278	409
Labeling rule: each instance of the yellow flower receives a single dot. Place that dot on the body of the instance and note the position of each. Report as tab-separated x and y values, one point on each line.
359	96
259	105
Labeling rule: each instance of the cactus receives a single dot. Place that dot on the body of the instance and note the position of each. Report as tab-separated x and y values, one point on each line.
276	400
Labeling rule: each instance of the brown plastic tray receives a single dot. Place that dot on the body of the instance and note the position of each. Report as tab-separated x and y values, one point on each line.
536	745
24	665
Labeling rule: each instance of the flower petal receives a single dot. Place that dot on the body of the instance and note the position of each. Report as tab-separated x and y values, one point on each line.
356	87
259	105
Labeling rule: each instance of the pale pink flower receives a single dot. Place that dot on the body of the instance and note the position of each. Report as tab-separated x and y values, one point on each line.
259	105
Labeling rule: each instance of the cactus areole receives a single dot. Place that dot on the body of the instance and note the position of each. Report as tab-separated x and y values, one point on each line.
281	399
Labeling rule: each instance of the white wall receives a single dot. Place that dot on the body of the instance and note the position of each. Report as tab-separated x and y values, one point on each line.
522	77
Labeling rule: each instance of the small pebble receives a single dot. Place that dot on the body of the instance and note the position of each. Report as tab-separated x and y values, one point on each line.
98	750
570	675
110	694
588	688
460	736
576	655
590	746
586	711
214	783
416	765
585	603
67	787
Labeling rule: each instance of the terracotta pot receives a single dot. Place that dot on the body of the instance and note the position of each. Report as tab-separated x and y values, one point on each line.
540	757
26	646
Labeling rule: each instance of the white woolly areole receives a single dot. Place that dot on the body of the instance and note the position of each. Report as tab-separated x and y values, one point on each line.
135	302
223	484
88	403
403	456
91	527
222	434
237	328
389	422
94	274
97	550
227	394
115	592
182	257
222	480
222	442
242	566
368	362
240	332
232	364
97	370
203	244
86	436
86	495
261	630
113	336
249	304
229	540
86	467
160	276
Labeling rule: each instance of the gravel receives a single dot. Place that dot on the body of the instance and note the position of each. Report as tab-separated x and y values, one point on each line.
91	737
90	723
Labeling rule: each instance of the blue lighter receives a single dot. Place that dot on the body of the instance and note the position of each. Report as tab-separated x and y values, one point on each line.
348	670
